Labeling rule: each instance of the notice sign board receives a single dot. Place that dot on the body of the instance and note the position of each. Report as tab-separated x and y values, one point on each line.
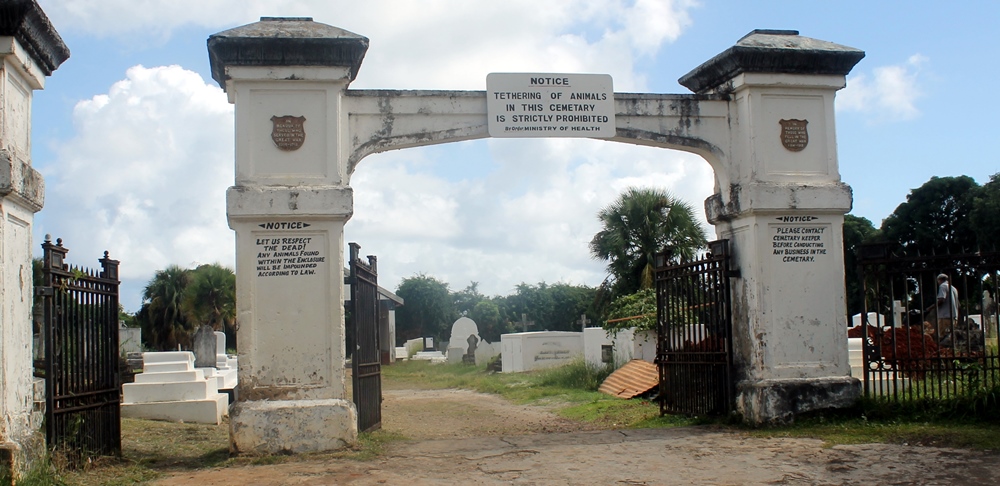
550	105
801	240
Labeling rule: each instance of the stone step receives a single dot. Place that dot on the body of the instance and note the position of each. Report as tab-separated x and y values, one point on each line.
168	392
170	376
206	411
167	367
167	356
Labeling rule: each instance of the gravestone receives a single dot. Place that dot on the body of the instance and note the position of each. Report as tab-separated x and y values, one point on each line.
204	347
463	332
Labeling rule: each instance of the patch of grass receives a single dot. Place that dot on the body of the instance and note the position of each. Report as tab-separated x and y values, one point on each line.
371	445
612	412
861	431
570	389
43	473
151	449
576	375
920	422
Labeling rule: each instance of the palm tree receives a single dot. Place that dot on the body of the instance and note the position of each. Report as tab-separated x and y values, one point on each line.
166	324
210	299
637	225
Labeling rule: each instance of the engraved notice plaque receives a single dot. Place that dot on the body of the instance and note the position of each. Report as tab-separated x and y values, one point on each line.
794	135
288	132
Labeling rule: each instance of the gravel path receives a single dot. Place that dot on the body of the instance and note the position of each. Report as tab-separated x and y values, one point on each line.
463	437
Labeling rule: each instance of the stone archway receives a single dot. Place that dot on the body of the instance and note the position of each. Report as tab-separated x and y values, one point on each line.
761	114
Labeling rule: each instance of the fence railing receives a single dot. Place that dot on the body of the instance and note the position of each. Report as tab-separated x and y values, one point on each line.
929	325
694	331
81	363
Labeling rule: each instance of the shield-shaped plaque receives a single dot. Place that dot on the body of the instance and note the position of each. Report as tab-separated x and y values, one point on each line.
794	135
288	132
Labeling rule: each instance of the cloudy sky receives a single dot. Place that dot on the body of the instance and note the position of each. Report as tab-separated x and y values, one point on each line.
135	139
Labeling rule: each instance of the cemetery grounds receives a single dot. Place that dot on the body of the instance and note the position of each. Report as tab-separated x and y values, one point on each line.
454	424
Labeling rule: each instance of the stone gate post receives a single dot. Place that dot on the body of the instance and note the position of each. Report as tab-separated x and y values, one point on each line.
783	211
31	49
288	207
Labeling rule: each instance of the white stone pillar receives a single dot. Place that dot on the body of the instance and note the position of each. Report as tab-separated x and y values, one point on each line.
783	212
31	49
288	207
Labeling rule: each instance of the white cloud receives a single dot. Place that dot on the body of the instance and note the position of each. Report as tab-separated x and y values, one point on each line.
529	219
889	94
145	175
447	44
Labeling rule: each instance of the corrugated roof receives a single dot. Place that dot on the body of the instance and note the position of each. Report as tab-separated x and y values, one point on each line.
635	378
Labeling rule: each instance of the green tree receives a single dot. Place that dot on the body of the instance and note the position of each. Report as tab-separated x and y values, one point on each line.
209	298
491	325
467	298
935	218
857	231
638	224
554	307
429	309
636	310
985	214
162	319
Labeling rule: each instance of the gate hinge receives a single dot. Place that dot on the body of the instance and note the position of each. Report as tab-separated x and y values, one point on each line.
44	291
734	273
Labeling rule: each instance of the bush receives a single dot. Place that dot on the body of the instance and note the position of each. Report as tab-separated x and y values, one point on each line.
578	374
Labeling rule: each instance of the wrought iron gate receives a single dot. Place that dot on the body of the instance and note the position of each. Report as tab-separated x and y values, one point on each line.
81	366
908	352
694	334
366	364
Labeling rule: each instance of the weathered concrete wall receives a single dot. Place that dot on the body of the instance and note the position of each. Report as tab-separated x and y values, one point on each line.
288	207
30	49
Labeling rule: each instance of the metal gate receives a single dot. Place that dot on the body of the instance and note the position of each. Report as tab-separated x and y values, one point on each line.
81	364
694	334
911	353
366	364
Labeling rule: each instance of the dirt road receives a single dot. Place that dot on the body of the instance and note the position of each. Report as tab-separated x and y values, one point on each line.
462	437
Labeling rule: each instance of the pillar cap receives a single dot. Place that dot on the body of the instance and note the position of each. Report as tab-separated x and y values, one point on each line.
25	21
772	51
285	41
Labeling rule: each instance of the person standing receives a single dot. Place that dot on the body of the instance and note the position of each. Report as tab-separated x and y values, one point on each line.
947	305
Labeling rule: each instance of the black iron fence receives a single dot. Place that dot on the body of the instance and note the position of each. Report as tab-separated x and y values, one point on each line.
694	330
929	325
366	363
80	327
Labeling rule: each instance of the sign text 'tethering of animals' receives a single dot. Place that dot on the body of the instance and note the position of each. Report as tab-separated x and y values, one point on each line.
550	105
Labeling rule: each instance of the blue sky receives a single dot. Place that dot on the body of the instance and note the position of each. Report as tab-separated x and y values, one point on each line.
135	139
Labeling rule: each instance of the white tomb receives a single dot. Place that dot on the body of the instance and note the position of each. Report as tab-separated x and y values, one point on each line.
878	383
526	351
627	345
171	388
874	319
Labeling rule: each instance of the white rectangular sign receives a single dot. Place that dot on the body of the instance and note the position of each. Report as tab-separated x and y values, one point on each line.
550	105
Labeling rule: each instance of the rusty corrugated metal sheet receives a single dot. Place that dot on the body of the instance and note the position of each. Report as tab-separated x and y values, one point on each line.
633	379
